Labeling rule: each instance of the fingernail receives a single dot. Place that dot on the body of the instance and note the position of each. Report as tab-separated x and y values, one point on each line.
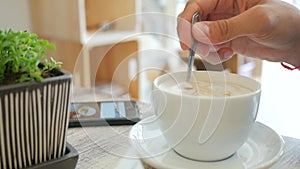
227	55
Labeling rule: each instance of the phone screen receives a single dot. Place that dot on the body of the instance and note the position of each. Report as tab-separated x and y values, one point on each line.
104	113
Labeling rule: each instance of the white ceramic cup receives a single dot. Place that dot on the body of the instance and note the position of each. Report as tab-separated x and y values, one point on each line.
203	127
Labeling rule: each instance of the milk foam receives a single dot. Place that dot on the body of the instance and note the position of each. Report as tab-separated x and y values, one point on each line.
205	88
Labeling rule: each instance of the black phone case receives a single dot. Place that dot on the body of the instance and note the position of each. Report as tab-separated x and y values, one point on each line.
105	121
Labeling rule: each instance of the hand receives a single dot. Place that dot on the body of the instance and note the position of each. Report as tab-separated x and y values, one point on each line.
267	29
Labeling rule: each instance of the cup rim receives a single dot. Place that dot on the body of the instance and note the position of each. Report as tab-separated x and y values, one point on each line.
256	88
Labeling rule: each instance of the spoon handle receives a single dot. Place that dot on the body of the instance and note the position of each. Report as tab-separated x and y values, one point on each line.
195	18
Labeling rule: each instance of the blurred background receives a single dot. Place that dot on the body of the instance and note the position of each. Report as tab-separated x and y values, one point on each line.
121	46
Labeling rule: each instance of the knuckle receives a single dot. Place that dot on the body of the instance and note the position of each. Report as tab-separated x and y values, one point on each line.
268	19
220	31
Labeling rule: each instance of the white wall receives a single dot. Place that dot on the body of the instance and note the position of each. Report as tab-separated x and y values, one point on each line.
14	14
279	106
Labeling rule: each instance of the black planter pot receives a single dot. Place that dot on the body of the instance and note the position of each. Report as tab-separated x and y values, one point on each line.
67	161
33	121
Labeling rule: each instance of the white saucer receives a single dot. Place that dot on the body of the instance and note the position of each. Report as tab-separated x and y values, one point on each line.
263	147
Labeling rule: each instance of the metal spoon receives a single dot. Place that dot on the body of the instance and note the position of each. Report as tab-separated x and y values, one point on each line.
195	18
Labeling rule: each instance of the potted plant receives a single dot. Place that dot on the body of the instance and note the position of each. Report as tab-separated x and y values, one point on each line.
34	101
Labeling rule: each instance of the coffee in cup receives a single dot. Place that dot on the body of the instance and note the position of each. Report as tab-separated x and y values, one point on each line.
206	88
209	117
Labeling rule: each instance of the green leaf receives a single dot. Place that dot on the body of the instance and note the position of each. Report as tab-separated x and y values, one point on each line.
20	54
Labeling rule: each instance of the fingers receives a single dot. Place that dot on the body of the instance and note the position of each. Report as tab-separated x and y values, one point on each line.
225	54
203	7
184	33
219	56
202	49
214	54
253	22
212	9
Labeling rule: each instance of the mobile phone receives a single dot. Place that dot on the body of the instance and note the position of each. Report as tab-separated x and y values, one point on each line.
104	113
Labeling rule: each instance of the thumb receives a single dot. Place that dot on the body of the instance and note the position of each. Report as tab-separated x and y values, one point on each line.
254	21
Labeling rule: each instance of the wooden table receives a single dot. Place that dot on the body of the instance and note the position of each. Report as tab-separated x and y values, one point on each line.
109	147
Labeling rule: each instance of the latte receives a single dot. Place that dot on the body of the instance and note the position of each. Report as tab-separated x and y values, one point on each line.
198	116
206	88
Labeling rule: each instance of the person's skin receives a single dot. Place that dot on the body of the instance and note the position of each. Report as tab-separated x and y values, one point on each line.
266	29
